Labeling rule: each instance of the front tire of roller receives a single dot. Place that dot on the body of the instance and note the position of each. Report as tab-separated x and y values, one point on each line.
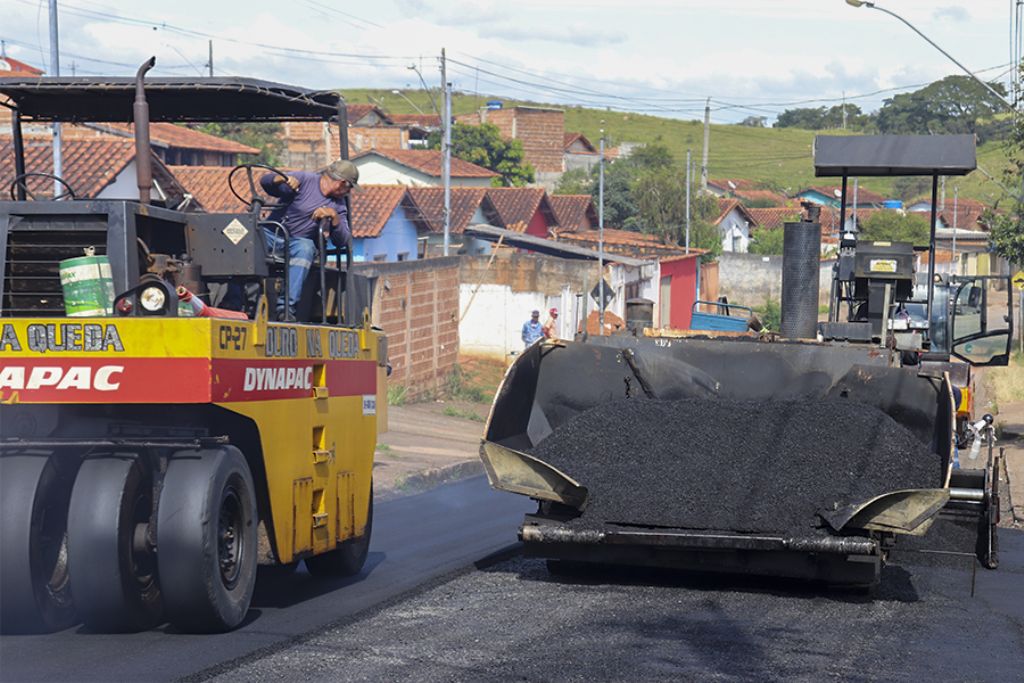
206	539
35	588
113	569
348	558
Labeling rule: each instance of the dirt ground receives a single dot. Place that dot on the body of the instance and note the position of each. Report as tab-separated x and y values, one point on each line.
1001	392
433	442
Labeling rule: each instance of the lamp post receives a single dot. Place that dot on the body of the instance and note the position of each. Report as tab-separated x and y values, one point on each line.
993	91
402	95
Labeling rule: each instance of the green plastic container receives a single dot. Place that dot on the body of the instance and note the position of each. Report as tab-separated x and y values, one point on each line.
88	286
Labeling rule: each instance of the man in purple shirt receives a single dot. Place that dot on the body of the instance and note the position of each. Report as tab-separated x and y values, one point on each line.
307	198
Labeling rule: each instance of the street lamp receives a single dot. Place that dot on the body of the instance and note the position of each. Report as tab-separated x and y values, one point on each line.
871	5
402	95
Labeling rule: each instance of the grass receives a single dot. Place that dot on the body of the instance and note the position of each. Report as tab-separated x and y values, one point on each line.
777	157
397	395
474	380
451	411
383	448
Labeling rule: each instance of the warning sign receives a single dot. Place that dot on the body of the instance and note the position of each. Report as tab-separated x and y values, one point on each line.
1018	279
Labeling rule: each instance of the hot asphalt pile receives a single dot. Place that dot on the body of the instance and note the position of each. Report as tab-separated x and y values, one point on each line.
734	465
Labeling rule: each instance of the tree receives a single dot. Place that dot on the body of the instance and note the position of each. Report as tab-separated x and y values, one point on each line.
767	241
484	146
821	118
896	226
576	181
952	105
266	137
660	197
1007	226
754	121
808	118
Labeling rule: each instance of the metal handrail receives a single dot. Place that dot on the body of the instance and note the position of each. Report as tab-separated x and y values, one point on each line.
278	226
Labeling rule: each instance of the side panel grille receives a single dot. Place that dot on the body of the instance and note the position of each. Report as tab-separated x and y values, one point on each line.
31	285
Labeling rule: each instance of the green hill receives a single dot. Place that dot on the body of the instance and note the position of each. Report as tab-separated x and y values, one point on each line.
778	157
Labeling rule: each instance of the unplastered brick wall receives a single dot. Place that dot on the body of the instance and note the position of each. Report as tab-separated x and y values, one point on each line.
542	132
521	272
417	305
308	145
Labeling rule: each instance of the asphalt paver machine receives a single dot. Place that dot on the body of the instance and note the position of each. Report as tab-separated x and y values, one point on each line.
153	449
814	454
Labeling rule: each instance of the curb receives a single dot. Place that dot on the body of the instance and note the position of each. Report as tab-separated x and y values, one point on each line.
431	479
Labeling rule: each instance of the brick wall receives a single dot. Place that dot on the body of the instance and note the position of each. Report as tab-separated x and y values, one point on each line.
417	305
542	132
528	272
361	139
304	144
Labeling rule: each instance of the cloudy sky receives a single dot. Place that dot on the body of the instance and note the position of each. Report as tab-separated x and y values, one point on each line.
752	57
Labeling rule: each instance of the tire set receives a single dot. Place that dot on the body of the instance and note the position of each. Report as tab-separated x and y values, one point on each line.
102	545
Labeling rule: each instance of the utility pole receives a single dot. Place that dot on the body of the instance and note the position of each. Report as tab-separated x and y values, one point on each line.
600	239
687	201
707	139
842	228
209	61
446	150
844	110
58	159
952	258
942	197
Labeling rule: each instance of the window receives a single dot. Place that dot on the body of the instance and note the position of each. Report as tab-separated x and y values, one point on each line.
380	258
404	256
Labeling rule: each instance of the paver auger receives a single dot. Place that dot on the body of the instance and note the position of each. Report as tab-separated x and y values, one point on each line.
812	455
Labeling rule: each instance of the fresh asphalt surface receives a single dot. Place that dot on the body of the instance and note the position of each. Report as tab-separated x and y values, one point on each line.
513	621
415	539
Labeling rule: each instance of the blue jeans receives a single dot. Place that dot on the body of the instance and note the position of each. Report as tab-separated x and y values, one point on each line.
301	252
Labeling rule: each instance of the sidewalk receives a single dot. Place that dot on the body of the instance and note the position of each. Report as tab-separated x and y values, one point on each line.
424	447
1010	422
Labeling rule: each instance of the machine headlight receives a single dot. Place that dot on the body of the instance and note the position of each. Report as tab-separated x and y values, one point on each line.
153	299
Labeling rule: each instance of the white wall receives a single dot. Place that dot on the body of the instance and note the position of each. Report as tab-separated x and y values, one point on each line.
377	170
734	226
492	320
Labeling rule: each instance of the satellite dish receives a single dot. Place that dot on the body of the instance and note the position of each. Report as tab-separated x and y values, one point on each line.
837	192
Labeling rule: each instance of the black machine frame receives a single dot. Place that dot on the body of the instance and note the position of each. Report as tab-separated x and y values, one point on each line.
904	155
140	101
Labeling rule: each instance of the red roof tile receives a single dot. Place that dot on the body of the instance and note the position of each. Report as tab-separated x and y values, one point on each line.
573	211
429	202
14	68
623	242
515	207
89	165
777	198
727	205
428	161
772	218
359	111
167	134
209	186
372	206
421	120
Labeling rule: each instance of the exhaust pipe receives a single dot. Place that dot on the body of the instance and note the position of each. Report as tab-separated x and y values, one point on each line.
143	155
801	254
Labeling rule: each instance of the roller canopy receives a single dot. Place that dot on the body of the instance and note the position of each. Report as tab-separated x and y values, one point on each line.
893	155
170	99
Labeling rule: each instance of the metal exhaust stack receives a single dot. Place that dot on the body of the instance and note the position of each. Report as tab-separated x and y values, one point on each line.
801	254
143	155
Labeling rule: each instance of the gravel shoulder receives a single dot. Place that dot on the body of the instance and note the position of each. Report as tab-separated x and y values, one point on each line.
514	621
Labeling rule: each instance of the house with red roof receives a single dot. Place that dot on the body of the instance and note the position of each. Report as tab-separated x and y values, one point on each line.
830	195
578	152
176	145
94	169
386	224
469	206
417	168
574	212
734	223
522	209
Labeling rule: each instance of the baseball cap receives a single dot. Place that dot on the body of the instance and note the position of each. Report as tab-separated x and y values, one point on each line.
534	314
342	169
553	311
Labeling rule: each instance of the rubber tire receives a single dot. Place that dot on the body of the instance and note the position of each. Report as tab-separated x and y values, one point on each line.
101	529
348	558
196	597
27	603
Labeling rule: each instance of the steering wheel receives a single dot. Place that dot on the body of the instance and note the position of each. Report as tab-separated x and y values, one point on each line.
254	195
22	182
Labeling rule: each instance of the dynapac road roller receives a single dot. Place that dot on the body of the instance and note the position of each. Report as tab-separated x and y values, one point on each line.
815	454
155	450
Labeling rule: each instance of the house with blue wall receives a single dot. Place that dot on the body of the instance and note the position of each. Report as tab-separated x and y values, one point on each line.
831	195
386	224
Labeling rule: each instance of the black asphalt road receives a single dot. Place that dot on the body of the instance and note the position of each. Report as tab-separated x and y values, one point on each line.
415	539
513	621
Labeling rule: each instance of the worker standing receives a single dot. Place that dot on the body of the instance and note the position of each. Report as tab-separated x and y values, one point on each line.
551	325
533	331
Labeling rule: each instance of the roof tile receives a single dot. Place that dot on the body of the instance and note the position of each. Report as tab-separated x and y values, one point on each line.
429	202
428	161
515	207
573	211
